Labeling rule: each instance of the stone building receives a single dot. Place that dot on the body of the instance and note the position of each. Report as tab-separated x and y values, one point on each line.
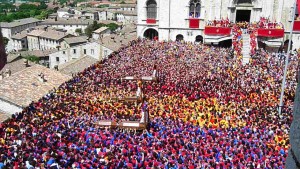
187	19
45	39
10	28
19	41
69	25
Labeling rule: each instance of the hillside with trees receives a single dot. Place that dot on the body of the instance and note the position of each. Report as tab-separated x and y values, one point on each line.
9	12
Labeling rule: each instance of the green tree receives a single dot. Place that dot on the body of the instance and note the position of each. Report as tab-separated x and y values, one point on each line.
43	15
62	2
89	30
32	58
26	7
112	26
79	31
32	13
43	5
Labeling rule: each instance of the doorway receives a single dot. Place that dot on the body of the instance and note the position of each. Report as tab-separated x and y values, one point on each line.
179	37
226	43
243	15
151	34
199	39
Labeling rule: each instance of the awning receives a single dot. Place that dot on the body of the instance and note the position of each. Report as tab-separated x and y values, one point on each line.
273	43
209	39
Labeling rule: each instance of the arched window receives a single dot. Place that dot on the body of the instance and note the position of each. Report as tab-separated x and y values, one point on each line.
195	8
151	9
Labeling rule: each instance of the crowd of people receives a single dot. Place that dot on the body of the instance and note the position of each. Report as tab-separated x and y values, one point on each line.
206	111
266	23
219	23
237	41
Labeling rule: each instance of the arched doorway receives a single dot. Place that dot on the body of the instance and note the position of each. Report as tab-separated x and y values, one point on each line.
226	43
151	34
199	39
179	37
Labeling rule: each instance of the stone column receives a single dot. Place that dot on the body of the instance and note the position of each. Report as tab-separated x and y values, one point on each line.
293	158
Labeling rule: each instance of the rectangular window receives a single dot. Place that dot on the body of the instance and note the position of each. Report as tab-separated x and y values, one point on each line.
105	53
84	51
57	59
74	51
151	11
92	51
64	52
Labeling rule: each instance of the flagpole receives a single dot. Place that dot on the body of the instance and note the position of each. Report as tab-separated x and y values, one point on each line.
287	60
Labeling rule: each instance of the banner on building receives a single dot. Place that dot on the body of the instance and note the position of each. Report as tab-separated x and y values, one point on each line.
194	23
274	33
211	30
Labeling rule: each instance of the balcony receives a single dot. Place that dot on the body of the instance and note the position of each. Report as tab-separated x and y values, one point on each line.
271	33
217	31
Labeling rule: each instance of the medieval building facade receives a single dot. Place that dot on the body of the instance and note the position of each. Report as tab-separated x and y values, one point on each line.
188	19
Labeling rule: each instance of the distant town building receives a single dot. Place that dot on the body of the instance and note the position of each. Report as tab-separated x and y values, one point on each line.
106	15
70	25
65	55
86	14
63	12
101	32
45	39
20	89
99	49
77	65
10	28
126	16
122	7
19	41
73	41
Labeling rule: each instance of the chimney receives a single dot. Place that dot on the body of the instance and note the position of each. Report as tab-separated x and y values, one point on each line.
26	63
7	72
41	77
